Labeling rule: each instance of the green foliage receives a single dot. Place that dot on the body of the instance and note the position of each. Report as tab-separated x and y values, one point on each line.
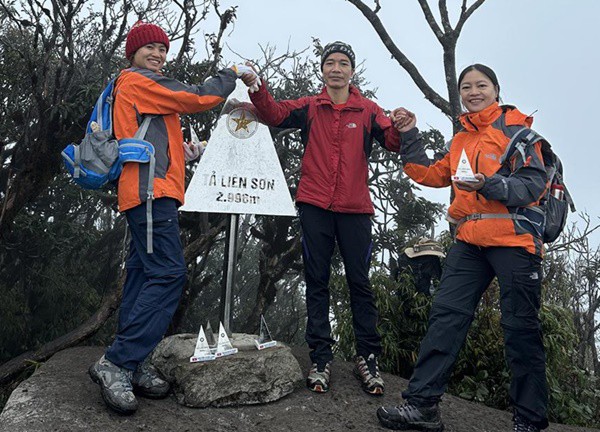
403	317
574	393
54	270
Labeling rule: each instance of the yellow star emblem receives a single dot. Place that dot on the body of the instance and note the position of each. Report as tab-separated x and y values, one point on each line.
242	122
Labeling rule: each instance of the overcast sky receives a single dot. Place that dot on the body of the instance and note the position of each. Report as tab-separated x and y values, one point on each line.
545	53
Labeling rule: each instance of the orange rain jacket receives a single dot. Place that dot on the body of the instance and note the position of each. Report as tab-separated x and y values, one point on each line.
515	187
140	92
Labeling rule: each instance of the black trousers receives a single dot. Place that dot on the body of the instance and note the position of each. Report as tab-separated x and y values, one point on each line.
468	272
320	230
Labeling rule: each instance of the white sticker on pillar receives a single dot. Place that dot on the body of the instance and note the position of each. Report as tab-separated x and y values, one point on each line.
239	171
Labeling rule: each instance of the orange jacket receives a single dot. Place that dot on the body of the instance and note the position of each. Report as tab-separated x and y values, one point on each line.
140	92
511	188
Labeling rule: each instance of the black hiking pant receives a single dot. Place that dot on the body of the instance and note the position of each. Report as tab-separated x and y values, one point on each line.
320	231
467	273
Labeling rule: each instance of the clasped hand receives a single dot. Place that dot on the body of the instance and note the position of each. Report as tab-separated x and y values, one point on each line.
403	119
248	75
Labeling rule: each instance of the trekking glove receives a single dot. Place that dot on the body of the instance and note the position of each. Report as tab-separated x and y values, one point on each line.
242	70
193	151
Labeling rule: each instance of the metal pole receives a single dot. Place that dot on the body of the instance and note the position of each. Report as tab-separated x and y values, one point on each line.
229	266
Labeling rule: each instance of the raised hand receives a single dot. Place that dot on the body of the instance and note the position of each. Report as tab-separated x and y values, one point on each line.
403	119
248	75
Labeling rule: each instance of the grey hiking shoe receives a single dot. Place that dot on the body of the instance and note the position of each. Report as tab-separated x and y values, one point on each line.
115	385
410	417
318	378
367	371
147	382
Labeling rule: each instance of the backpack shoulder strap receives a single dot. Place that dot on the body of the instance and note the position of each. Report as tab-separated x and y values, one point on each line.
102	112
521	139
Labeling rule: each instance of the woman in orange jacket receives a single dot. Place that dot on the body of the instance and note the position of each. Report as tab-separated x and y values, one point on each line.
492	240
149	195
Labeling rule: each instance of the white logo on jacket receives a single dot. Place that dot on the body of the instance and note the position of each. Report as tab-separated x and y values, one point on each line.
351	125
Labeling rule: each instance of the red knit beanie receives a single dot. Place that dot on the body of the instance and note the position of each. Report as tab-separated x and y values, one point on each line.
143	33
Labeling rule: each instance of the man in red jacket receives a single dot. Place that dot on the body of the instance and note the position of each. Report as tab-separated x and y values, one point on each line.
337	128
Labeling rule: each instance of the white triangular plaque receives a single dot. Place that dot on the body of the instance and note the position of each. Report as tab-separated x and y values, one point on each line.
463	170
239	172
224	347
265	340
202	351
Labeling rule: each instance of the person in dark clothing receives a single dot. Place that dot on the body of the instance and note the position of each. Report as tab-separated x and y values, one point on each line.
422	262
338	127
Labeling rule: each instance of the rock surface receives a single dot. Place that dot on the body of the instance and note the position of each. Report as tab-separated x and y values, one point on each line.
246	378
61	397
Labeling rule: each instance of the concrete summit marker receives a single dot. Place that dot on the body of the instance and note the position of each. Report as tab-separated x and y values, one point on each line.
239	172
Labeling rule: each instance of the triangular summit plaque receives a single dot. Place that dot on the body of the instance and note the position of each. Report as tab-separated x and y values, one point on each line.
463	170
202	351
239	172
264	338
224	347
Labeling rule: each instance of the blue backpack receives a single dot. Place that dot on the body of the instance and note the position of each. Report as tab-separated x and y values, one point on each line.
99	158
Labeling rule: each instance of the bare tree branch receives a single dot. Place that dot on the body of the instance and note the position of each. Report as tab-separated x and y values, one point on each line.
466	13
227	18
430	94
444	14
437	31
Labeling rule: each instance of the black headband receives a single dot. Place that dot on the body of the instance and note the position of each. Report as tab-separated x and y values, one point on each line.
340	47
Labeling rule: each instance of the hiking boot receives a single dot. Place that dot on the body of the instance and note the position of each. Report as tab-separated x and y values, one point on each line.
410	417
115	385
521	424
318	378
367	371
148	383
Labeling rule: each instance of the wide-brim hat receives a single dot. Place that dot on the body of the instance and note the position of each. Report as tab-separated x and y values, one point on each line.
425	247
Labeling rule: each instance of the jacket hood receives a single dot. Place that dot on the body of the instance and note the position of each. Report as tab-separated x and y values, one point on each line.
487	116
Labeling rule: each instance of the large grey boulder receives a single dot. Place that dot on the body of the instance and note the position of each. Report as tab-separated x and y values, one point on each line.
248	377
